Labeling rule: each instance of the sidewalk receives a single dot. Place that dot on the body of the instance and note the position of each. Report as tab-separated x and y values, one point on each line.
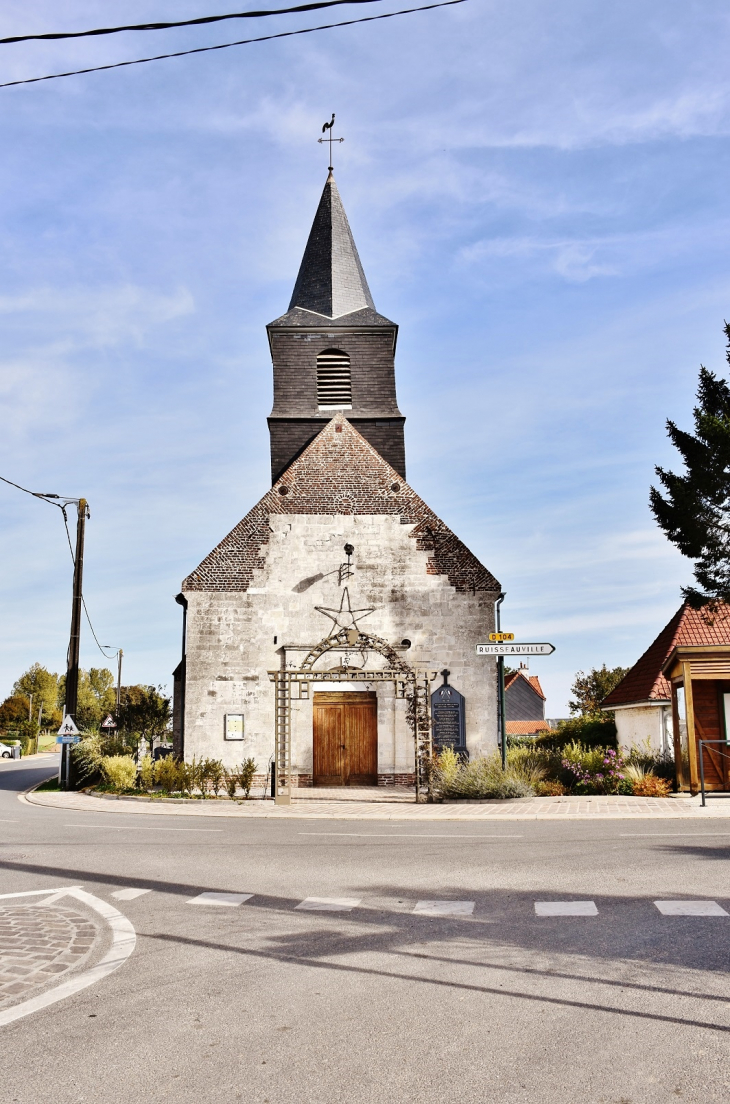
398	806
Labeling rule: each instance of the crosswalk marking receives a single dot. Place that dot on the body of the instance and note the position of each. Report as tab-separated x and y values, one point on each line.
566	908
129	894
231	900
444	908
690	908
328	904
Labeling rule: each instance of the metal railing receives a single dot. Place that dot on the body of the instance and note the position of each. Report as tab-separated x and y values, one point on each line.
701	744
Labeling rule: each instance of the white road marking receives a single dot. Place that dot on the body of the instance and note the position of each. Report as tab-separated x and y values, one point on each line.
129	894
669	835
38	892
231	900
328	904
690	908
141	828
566	908
444	908
124	940
411	835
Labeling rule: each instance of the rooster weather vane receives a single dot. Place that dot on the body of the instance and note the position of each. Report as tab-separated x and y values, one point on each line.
328	127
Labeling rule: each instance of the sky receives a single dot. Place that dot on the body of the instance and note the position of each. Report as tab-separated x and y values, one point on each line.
539	195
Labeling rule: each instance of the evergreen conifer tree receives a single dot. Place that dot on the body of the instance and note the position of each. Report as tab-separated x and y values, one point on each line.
694	510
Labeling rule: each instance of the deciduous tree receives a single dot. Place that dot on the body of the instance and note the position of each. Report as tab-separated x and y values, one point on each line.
590	689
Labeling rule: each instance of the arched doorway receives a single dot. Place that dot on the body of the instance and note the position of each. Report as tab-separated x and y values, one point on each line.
295	681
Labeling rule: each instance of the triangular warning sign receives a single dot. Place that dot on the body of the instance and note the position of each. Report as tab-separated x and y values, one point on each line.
109	722
68	728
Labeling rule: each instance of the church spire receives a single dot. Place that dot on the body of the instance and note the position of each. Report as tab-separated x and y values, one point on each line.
331	281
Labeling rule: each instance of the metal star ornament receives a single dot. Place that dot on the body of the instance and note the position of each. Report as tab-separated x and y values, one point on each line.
345	617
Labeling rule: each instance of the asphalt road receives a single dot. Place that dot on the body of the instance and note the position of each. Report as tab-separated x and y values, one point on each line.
268	1003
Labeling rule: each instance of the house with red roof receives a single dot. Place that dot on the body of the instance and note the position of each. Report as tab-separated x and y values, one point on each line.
678	693
524	703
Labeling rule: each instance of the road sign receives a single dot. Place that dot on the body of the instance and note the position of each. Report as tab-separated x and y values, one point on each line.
68	739
109	722
500	636
68	728
514	649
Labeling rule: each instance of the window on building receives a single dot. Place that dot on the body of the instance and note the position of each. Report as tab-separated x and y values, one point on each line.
334	386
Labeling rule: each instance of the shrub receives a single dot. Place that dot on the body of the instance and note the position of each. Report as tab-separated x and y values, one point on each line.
480	777
530	764
591	732
550	788
652	786
168	774
147	773
216	775
246	773
231	784
660	763
596	770
119	771
89	752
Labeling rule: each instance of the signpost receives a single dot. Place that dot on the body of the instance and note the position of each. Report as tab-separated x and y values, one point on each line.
514	649
68	733
502	644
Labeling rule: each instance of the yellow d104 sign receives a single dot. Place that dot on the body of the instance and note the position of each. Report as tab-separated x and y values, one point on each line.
499	637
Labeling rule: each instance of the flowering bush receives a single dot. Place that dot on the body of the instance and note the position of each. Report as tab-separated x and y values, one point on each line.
598	771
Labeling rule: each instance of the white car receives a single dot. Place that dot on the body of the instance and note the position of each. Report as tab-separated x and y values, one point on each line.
5	752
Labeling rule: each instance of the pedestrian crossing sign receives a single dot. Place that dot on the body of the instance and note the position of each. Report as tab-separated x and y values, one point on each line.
68	728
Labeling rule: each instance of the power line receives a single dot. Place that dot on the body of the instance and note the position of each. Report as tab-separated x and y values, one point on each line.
179	23
226	45
61	504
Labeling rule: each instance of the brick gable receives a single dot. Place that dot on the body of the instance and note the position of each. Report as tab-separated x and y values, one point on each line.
339	473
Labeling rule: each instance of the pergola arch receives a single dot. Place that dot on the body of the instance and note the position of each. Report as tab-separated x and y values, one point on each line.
410	683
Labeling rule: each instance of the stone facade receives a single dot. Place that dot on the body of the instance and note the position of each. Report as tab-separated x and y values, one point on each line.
233	639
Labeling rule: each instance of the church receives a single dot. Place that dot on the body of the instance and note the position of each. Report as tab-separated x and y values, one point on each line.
331	634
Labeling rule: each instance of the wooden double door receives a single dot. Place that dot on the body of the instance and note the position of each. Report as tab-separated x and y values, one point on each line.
345	739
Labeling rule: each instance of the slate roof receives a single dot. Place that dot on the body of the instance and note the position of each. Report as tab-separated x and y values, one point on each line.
331	281
339	473
532	679
689	627
307	319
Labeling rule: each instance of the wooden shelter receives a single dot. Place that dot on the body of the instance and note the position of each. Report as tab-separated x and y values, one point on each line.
699	676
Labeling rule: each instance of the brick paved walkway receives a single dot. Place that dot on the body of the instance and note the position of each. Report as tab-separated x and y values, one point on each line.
358	805
39	943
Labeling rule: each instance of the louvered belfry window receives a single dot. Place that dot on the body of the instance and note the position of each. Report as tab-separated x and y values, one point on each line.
334	387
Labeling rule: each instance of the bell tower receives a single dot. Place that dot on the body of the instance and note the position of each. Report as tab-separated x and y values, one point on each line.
332	352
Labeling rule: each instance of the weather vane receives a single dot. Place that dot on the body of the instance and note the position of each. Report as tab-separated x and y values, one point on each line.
328	127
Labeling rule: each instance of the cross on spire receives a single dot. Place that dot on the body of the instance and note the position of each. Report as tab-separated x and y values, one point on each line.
328	127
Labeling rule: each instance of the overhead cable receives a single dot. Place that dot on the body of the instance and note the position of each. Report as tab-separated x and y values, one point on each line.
179	23
227	45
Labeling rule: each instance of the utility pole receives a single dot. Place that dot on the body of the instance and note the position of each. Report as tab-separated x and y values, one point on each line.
72	672
119	682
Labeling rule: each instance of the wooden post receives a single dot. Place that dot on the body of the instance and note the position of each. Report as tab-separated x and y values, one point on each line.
694	776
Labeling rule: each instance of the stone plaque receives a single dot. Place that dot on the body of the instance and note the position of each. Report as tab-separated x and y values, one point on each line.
447	711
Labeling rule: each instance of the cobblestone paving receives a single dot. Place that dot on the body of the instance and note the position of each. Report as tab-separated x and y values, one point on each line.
358	804
38	944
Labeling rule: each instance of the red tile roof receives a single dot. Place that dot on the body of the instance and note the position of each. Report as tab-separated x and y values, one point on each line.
688	628
525	728
339	473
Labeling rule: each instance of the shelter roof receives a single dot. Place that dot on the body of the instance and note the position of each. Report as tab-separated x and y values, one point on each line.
688	628
339	473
